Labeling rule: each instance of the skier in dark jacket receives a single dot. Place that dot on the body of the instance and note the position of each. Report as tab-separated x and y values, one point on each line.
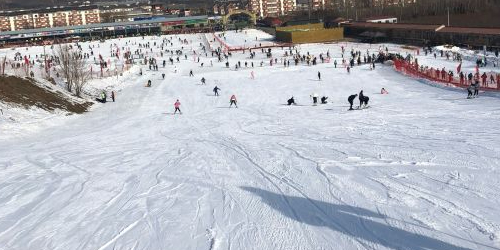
365	100
323	99
291	101
476	88
216	91
470	89
351	100
361	98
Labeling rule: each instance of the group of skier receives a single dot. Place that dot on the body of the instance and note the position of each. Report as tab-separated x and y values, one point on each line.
473	90
103	97
355	56
363	100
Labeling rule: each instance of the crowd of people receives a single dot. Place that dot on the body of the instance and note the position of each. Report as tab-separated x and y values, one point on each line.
157	54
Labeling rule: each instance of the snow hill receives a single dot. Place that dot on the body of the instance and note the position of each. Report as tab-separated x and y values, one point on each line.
418	169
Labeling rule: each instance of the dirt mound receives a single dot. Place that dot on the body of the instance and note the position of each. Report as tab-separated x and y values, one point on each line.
26	93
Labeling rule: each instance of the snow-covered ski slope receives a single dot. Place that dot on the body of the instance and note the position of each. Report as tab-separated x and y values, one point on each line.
418	170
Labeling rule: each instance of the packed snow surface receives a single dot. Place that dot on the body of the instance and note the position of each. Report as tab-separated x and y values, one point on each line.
417	170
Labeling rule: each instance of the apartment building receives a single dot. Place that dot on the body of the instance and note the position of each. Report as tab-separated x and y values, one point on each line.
49	17
223	7
271	8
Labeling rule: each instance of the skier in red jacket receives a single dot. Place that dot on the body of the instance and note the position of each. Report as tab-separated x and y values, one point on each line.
177	106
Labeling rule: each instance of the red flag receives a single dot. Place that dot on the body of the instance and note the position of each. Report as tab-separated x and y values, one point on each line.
459	68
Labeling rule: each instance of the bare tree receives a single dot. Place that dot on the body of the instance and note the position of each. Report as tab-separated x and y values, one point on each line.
79	73
64	55
73	67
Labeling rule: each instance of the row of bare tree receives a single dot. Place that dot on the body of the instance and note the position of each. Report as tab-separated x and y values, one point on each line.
73	69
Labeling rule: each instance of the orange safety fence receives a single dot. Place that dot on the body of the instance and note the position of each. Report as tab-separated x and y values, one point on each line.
444	77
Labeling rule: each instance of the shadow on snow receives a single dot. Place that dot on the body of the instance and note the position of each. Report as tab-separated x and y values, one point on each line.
353	221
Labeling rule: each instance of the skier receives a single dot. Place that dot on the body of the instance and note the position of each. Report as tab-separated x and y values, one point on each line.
365	101
315	99
469	91
177	106
233	101
216	91
351	100
361	98
323	99
103	97
383	91
291	101
203	81
113	96
191	73
319	76
163	76
476	88
148	84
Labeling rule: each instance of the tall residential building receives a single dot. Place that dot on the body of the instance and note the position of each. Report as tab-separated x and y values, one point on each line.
265	8
47	18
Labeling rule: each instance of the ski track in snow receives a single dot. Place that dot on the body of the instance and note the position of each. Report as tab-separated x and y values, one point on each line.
417	170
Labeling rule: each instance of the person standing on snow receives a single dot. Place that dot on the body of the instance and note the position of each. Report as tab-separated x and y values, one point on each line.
163	76
484	77
361	98
476	88
113	96
203	81
315	98
216	91
291	101
319	76
351	100
233	101
191	73
177	106
469	91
